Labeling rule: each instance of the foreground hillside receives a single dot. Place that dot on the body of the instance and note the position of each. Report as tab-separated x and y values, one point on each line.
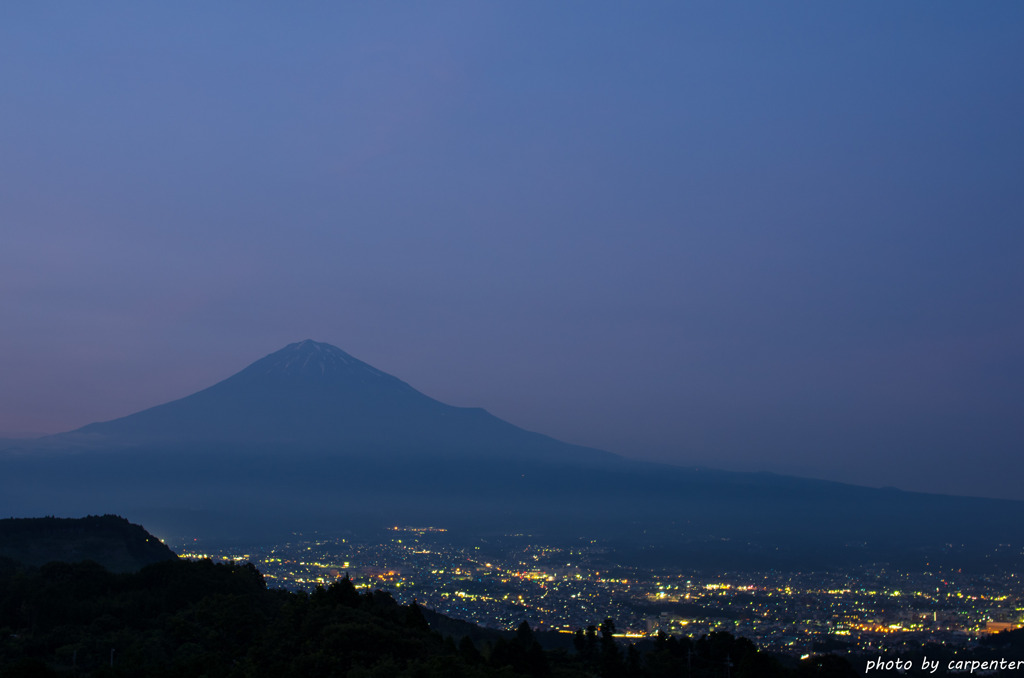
196	618
179	617
110	541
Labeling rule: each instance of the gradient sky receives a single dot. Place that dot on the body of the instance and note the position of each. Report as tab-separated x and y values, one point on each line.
754	236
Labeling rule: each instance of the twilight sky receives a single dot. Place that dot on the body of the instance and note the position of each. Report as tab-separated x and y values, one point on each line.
784	237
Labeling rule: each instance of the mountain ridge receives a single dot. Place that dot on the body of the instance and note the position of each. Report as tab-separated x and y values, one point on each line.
309	436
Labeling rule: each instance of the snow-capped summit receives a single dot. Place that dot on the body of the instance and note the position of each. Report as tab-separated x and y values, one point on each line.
310	358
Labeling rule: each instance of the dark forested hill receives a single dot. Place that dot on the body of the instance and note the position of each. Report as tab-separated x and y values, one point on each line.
111	541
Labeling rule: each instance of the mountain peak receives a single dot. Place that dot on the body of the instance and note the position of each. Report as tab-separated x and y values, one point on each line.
306	392
309	353
311	359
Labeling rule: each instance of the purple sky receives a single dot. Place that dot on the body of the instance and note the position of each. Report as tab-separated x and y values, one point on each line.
784	237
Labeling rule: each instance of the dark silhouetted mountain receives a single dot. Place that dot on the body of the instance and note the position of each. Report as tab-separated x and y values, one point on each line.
317	397
111	541
311	438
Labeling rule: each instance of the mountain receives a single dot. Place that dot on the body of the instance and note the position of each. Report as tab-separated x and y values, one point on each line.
309	438
317	397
